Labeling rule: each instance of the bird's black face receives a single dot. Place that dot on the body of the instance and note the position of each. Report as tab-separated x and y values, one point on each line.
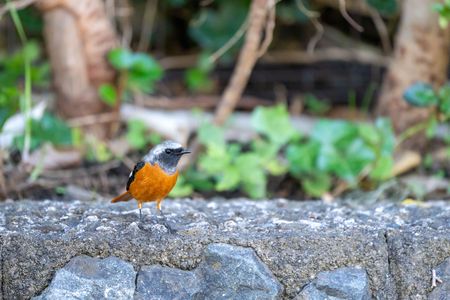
171	156
166	155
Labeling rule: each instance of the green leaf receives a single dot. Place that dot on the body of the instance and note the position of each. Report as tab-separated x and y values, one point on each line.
431	127
198	80
9	103
205	63
99	152
213	27
47	129
253	177
443	21
275	167
108	94
120	58
273	122
369	134
214	161
228	180
136	134
316	106
444	103
329	159
443	9
386	7
420	94
145	66
265	149
302	157
144	71
358	156
385	130
211	135
154	138
181	189
199	180
382	169
255	186
333	132
317	184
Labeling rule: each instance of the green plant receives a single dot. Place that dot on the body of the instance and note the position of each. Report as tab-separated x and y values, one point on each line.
421	94
197	78
12	66
342	150
25	67
315	105
138	72
226	167
9	103
336	151
386	7
139	137
46	129
26	103
214	26
443	9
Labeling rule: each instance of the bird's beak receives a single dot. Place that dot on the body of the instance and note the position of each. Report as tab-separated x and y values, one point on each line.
185	151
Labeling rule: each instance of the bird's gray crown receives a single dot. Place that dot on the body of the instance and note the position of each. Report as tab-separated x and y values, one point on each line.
166	155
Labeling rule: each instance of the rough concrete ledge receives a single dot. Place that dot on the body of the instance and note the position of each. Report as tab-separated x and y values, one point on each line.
296	243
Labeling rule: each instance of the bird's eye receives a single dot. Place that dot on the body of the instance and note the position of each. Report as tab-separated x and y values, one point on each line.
168	151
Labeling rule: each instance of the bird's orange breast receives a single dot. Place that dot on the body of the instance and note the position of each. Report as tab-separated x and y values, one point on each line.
151	183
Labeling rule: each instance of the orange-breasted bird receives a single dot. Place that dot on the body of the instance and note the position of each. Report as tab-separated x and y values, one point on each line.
154	177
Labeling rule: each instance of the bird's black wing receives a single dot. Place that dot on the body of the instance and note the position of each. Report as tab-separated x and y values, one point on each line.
137	167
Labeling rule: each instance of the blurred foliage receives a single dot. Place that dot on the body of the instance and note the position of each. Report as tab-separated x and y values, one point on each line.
138	136
443	9
12	66
32	21
422	94
386	7
12	77
138	72
198	78
335	151
9	103
316	106
343	150
46	129
213	26
288	12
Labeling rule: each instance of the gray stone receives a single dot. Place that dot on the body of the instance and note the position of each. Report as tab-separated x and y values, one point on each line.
414	252
85	277
158	283
396	245
226	272
230	272
442	291
344	283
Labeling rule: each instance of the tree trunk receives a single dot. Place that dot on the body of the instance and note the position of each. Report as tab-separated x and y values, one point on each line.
421	54
78	36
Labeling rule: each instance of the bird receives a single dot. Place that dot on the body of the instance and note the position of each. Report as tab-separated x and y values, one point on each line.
154	176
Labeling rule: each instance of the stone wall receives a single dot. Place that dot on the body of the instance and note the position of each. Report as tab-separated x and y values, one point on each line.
235	249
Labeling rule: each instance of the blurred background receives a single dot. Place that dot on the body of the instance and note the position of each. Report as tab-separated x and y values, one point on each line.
303	99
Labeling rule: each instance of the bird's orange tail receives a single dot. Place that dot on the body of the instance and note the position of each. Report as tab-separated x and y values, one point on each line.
122	197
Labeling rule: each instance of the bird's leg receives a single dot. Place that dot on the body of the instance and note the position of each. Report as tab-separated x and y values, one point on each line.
140	211
164	219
